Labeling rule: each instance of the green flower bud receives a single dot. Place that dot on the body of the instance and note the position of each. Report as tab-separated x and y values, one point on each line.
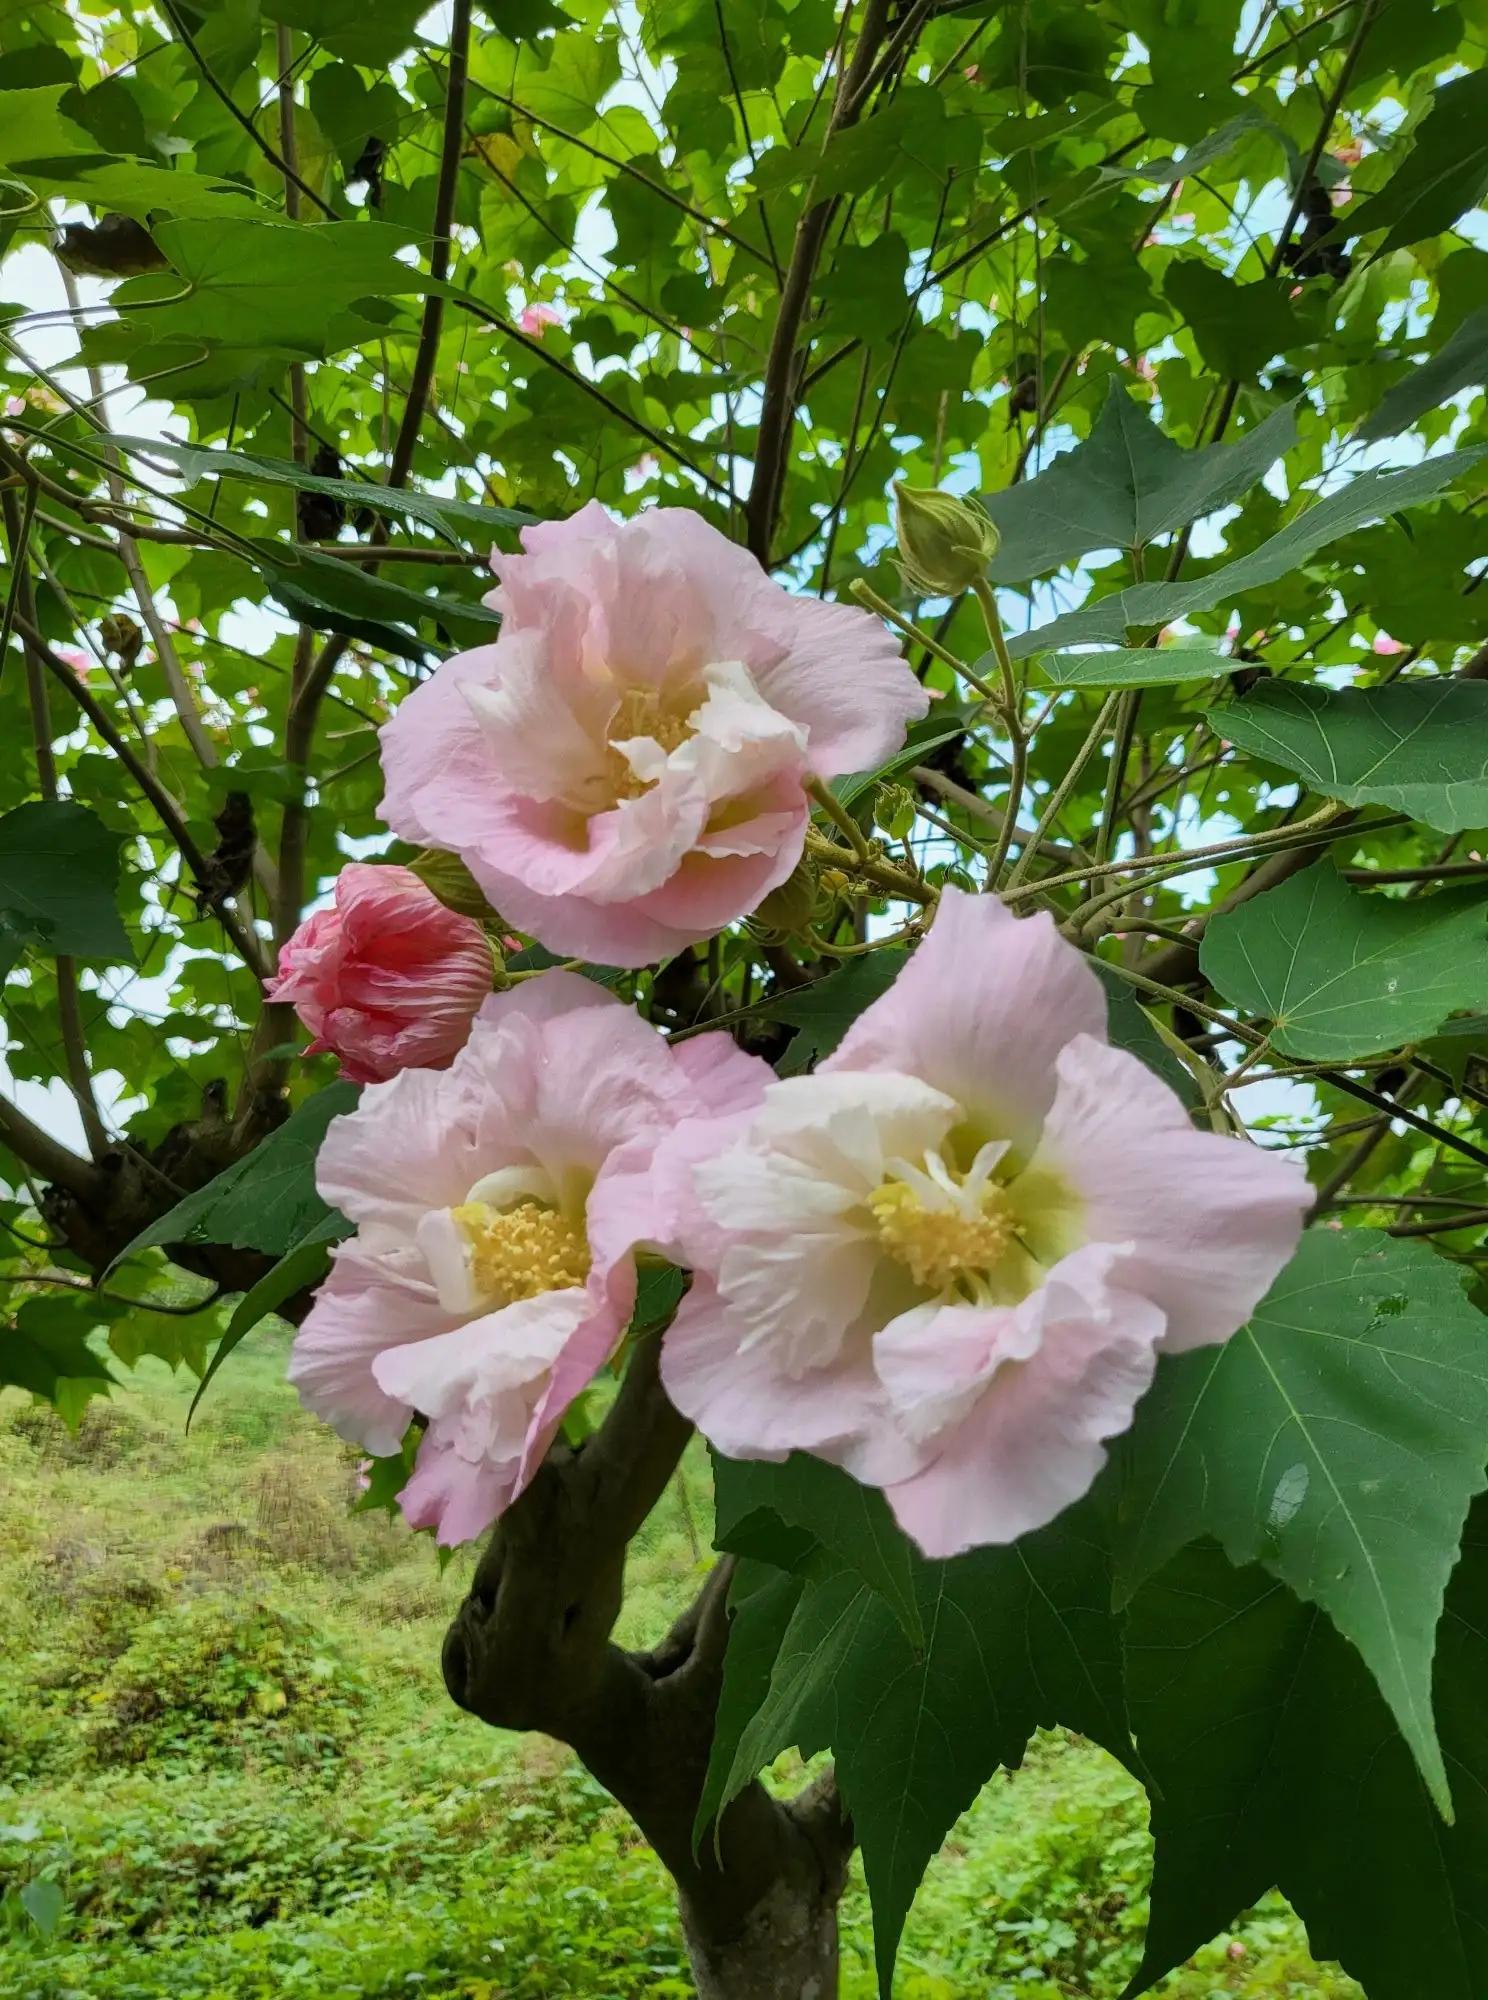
894	810
945	543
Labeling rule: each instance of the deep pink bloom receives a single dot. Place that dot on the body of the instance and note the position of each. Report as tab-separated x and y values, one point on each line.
622	770
1385	646
495	1203
389	977
948	1260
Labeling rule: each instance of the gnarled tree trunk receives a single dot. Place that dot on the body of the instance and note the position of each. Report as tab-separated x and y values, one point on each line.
530	1648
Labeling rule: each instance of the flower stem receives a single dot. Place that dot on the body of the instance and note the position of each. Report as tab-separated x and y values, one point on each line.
867	595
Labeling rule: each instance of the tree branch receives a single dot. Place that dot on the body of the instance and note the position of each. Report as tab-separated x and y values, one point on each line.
530	1649
184	36
782	380
47	1157
439	247
69	1015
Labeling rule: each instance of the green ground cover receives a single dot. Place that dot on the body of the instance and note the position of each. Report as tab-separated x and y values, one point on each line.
228	1770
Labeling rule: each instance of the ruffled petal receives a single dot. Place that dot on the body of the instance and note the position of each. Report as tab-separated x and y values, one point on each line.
1211	1221
364	1307
408	1146
1032	1441
746	1406
981	1011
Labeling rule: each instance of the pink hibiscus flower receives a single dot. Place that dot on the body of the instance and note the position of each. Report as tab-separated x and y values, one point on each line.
495	1206
535	319
387	978
622	770
949	1259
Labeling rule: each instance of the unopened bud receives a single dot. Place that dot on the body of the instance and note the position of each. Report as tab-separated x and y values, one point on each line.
894	810
945	543
122	638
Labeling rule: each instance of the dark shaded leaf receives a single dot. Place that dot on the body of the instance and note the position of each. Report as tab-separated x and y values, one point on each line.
266	1201
1338	1439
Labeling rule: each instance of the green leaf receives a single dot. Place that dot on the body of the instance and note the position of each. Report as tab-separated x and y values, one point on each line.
1236	328
196	463
1273	1759
1343	974
1444	173
1368	497
373	36
1338	1440
762	1602
324	591
44	1903
269	287
1100	297
47	1343
850	1521
1015	1639
1135	666
266	1201
825	1010
1418	747
59	871
1461	364
1201	154
1132	1028
1126	485
304	1264
658	1294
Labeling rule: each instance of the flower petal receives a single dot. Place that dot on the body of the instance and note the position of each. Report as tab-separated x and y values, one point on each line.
1032	1442
981	1011
747	1407
1211	1221
364	1307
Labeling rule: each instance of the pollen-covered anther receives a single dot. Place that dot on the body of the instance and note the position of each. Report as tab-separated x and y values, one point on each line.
523	1251
642	712
941	1245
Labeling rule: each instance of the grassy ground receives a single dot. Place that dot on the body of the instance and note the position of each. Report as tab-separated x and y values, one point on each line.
228	1770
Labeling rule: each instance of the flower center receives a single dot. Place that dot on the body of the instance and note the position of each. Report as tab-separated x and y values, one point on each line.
645	712
522	1251
958	1233
940	1246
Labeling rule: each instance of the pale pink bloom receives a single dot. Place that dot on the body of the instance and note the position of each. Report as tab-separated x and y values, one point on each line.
15	406
949	1259
622	771
495	1204
1350	154
388	978
79	661
1385	645
534	319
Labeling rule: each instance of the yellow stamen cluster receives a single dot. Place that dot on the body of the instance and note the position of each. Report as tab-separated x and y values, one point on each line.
642	713
940	1245
520	1252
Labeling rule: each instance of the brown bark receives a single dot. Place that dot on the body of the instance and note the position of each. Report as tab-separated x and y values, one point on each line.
530	1648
